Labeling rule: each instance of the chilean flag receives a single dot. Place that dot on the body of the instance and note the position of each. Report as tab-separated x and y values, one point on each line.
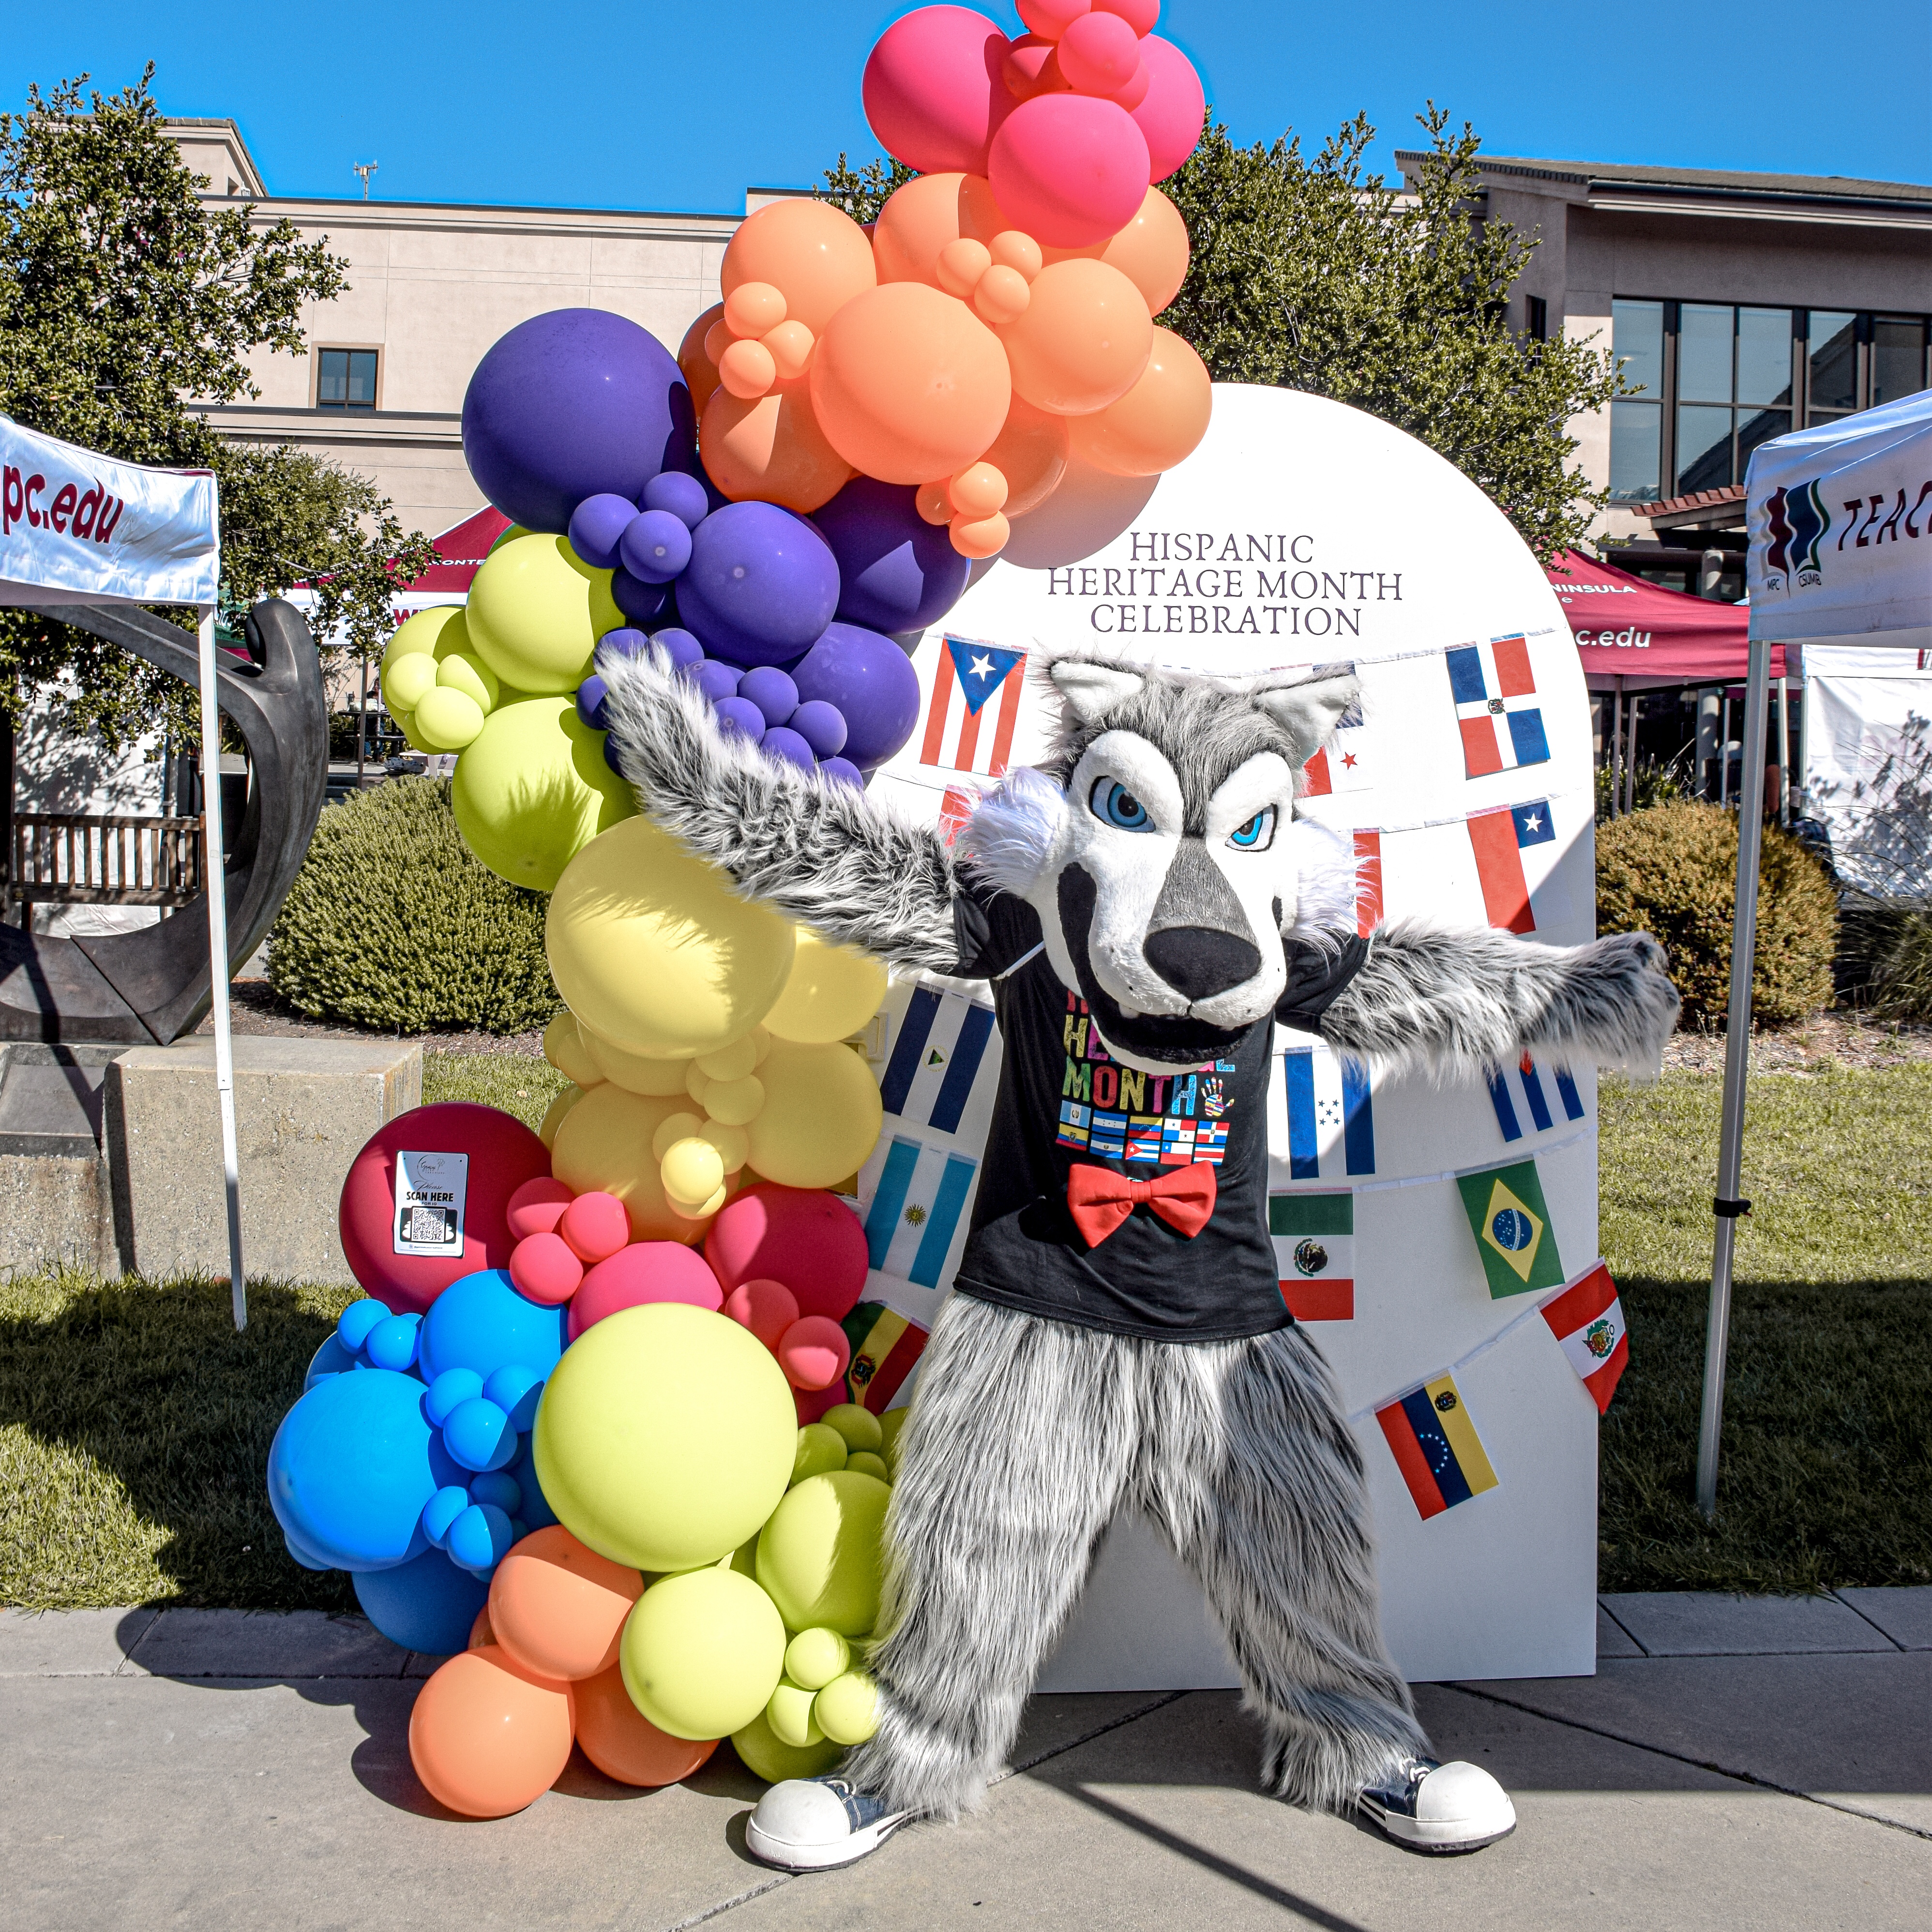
1499	838
974	706
1587	1318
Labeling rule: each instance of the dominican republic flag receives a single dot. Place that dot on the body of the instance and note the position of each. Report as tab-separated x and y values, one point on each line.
1536	1108
1368	881
1436	1446
1588	1319
944	1063
1499	838
1321	1111
1314	1237
1497	710
915	1198
885	1345
974	706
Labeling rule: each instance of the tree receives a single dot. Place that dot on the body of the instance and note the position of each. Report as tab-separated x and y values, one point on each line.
862	192
125	303
1319	276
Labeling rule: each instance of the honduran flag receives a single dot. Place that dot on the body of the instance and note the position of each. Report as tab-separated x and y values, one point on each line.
1588	1319
1497	709
1321	1111
915	1197
1314	1237
1436	1446
973	707
944	1063
885	1346
1499	838
1536	1098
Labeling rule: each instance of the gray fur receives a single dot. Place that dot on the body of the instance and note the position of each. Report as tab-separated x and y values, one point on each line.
1006	840
1026	1438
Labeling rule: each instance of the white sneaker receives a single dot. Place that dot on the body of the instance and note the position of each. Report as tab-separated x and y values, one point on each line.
1440	1807
811	1824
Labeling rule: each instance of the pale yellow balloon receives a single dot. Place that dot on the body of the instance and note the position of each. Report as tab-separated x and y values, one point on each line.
847	1709
406	679
671	1130
789	1714
696	1082
636	1071
447	720
832	993
815	1656
821	1118
536	610
733	1144
604	1143
735	1102
563	1046
729	1063
652	950
692	1172
421	633
463	670
554	1116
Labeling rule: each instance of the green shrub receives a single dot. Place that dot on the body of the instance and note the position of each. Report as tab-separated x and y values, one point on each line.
1671	871
1885	957
391	923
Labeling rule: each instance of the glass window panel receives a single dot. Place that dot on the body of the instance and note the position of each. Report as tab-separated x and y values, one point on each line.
1758	426
1703	450
362	378
1635	432
1704	353
1636	334
1833	348
1898	359
331	390
1764	355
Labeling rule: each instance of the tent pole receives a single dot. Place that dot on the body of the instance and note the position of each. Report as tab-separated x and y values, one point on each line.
1784	751
1727	1207
1616	747
1630	758
215	879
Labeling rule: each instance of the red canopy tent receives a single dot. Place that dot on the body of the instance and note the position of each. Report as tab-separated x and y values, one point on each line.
1629	629
459	553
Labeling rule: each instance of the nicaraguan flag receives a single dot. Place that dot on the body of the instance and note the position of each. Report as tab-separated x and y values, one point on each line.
1436	1446
1499	838
1314	1237
1322	1115
1510	1221
1497	709
973	707
915	1197
940	1070
1587	1318
1535	1087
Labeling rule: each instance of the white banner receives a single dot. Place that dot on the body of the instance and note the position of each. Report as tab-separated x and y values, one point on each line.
77	527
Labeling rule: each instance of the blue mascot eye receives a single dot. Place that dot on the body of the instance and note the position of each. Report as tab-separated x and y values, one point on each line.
1113	802
1257	834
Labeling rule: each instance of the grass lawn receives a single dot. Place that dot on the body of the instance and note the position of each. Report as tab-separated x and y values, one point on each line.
135	1424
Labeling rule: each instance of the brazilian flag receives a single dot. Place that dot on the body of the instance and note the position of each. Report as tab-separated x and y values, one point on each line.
1510	1221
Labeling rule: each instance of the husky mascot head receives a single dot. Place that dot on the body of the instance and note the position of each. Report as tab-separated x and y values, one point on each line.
1159	847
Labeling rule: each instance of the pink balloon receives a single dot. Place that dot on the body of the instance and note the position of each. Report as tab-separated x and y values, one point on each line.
812	1404
1069	169
542	1267
1171	115
596	1225
646	1271
1098	53
1139	14
814	1352
933	89
808	1239
1050	19
767	1309
537	1206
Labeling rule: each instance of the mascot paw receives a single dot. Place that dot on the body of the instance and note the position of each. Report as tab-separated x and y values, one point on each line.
811	1824
1439	1807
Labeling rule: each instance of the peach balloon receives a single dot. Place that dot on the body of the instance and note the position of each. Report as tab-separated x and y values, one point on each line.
771	449
978	490
961	264
933	501
909	384
487	1736
1083	341
1030	452
748	369
919	219
1151	251
791	345
623	1743
699	367
818	258
1011	248
1157	422
752	307
480	1632
558	1608
980	537
1001	296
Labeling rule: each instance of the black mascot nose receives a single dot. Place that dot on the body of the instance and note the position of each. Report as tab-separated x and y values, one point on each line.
1201	961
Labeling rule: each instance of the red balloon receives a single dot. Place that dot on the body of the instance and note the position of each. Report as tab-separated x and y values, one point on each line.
809	1240
933	89
1099	54
812	1404
1068	168
646	1271
814	1352
767	1309
1171	115
503	1155
1050	19
1139	14
595	1226
543	1268
537	1206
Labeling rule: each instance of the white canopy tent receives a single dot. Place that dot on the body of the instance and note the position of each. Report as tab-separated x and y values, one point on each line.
79	528
1837	516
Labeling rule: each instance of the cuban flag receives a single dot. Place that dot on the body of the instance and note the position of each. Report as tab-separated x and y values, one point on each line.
944	1068
1499	839
1344	765
915	1197
1497	710
974	705
1587	1318
1322	1115
1540	1094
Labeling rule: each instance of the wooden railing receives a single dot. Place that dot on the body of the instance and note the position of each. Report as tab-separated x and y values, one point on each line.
70	859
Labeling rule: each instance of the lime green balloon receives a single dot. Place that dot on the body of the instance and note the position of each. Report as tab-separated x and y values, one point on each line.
820	1556
406	679
847	1708
702	1653
419	636
867	1463
814	1657
664	1438
536	610
763	1757
532	790
447	719
789	1714
858	1426
463	670
819	1449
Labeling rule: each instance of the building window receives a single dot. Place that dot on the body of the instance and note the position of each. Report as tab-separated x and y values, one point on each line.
1637	340
346	379
1538	318
1898	358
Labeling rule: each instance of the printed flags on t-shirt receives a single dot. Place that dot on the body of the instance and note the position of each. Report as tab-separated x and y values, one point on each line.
973	707
1436	1447
1588	1319
1497	710
1314	1237
1510	1221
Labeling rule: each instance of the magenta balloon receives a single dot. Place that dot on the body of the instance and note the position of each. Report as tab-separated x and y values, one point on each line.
1170	117
1099	54
934	91
1068	168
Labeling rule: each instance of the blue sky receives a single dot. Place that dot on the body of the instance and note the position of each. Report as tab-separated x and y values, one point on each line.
645	105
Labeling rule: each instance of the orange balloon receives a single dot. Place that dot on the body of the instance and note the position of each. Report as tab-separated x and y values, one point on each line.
1151	250
752	307
1157	422
700	371
480	1632
980	537
791	345
961	265
934	501
978	490
771	449
1030	452
921	218
487	1737
1001	295
558	1608
909	384
817	257
623	1743
1083	341
748	369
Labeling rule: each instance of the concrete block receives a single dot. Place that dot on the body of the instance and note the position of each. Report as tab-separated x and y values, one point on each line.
56	1204
1613	1639
1685	1623
303	1110
1905	1615
69	1643
265	1644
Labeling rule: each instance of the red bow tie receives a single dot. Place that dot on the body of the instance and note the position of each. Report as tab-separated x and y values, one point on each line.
1099	1199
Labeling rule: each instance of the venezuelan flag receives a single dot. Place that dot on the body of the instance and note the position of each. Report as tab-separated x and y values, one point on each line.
1436	1446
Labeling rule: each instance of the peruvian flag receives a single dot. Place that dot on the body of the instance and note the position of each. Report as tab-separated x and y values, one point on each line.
1588	1320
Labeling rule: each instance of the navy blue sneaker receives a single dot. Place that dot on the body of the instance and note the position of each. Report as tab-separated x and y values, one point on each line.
812	1824
1439	1807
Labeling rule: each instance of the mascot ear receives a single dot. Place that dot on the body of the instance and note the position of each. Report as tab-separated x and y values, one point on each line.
1307	711
1093	689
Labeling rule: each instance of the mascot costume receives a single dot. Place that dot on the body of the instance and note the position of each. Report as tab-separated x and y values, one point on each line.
1116	1336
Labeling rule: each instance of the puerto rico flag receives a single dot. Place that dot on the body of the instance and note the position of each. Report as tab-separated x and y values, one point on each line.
944	1068
1499	838
1536	1087
1322	1115
1497	710
974	706
1588	1319
1436	1447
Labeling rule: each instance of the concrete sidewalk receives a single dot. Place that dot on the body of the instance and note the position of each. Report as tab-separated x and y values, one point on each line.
1735	1762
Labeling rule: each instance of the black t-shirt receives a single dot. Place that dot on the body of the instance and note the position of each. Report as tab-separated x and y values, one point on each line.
1064	1101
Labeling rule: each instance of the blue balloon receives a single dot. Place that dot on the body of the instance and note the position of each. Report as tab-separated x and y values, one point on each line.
352	1466
358	1319
481	1537
482	1323
641	602
479	1435
684	496
821	725
742	716
331	1359
592	696
499	1487
392	1344
535	1509
516	1390
782	741
686	650
655	546
844	771
452	1386
761	585
872	682
896	572
771	691
426	1605
716	679
441	1510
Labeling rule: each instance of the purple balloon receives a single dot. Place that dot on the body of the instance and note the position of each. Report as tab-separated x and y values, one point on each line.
593	695
844	771
684	650
740	714
821	725
625	643
685	496
771	691
761	586
575	403
782	742
596	525
611	756
655	546
718	681
896	572
872	682
639	601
